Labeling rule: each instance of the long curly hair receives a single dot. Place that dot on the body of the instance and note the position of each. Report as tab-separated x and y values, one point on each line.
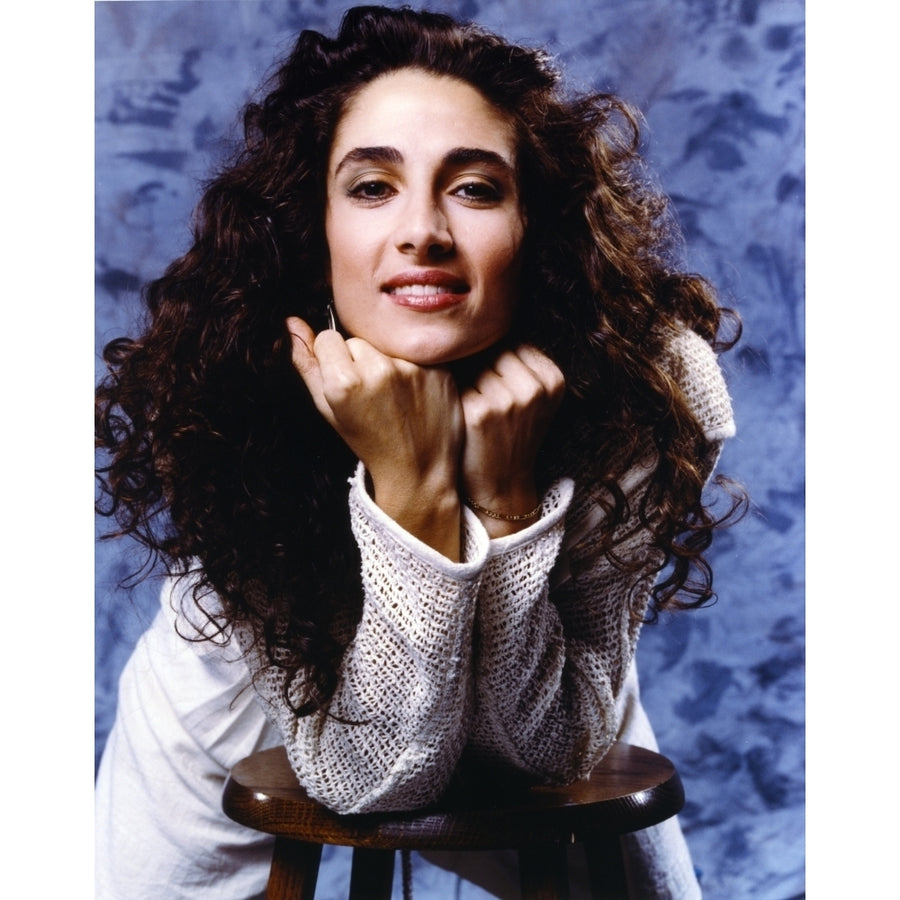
214	456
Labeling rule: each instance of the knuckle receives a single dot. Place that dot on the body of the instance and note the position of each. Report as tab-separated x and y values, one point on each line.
558	384
477	413
339	391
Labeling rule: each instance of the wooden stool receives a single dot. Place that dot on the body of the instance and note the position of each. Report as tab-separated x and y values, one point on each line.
631	789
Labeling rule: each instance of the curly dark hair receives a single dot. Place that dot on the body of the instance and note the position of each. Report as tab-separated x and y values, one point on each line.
214	456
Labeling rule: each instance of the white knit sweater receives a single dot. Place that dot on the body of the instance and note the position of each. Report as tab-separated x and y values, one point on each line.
518	652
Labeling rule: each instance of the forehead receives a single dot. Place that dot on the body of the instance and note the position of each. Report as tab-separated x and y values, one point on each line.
417	110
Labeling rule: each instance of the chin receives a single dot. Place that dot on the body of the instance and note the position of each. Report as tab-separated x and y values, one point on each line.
436	355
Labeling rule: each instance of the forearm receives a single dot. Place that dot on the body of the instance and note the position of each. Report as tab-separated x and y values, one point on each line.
549	666
546	695
398	720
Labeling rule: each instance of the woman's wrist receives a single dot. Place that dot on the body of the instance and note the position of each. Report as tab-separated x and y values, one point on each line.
503	517
506	514
432	514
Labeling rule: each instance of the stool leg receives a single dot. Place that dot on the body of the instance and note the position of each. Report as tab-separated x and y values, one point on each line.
294	870
606	869
543	872
372	874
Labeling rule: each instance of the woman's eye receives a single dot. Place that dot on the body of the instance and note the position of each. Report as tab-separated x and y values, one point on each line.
371	191
477	191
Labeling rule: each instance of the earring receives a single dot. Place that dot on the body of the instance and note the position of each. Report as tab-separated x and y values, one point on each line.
332	318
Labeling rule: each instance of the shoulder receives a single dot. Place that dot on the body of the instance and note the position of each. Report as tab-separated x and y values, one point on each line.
693	364
195	615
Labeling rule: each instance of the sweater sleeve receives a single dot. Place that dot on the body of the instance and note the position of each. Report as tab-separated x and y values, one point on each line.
558	623
398	720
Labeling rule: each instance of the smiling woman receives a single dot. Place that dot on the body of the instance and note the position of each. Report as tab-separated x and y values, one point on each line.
520	389
423	218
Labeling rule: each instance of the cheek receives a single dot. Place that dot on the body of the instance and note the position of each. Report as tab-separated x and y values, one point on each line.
331	244
342	258
505	256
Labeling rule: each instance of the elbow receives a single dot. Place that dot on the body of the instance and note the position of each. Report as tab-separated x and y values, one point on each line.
568	756
387	796
417	778
396	798
583	758
569	765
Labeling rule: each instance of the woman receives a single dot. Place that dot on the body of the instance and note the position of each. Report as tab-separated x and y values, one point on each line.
430	274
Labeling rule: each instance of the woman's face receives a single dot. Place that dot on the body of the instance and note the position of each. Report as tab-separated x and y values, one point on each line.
423	219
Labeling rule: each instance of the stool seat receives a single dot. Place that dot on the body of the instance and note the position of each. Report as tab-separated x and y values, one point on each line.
631	789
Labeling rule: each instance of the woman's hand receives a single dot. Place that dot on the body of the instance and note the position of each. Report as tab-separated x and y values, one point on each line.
402	420
507	412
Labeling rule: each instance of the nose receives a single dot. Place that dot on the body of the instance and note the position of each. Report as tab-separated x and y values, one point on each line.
423	228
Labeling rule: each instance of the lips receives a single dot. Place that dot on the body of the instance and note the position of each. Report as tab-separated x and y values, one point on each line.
427	289
422	290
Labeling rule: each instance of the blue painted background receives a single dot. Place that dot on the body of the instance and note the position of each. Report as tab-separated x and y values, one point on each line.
721	83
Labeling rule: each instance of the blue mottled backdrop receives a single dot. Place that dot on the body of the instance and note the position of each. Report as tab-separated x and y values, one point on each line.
721	83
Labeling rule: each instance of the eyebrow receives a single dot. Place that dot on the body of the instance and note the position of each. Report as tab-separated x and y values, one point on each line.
462	156
370	154
458	156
